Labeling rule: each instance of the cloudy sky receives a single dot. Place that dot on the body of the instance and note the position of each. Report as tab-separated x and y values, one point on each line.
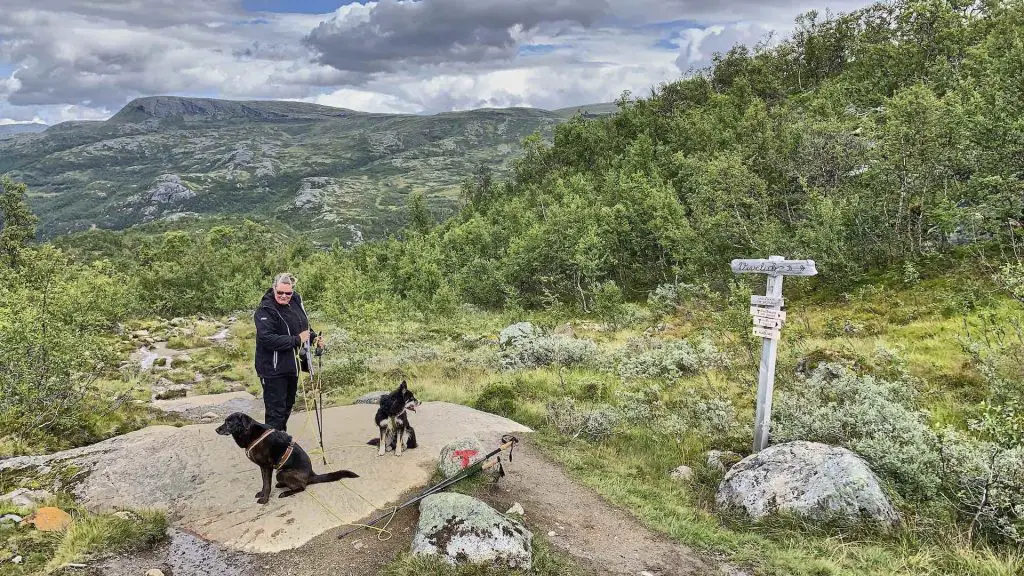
84	59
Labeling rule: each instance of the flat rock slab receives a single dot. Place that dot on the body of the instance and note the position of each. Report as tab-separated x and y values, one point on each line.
207	485
196	407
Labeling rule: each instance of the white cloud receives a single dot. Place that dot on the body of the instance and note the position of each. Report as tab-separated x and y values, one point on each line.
85	60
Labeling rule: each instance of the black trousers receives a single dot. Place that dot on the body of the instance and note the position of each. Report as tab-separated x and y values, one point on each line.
278	398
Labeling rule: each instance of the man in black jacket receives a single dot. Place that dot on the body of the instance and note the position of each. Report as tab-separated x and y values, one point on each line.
282	328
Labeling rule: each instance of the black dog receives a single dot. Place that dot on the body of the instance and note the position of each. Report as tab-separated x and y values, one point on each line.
393	421
272	449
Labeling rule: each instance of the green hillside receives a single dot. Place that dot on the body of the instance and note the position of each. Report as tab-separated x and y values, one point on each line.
336	172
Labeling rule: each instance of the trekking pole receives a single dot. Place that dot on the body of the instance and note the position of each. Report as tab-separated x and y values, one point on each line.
316	385
508	442
319	406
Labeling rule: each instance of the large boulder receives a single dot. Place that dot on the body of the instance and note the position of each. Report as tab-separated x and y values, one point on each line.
518	331
459	455
806	479
463	529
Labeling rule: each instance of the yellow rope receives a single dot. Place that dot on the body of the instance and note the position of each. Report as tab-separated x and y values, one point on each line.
380	531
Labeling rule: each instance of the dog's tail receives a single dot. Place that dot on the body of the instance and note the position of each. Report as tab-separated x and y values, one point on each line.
374	442
332	476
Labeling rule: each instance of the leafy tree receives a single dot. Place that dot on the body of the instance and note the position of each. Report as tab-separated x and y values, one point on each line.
17	222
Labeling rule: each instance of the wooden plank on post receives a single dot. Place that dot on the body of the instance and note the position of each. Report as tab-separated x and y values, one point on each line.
767	313
775	267
767	333
767	301
767	322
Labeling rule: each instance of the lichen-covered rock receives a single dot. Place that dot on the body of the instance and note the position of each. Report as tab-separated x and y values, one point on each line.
722	460
517	331
806	479
459	455
463	529
25	498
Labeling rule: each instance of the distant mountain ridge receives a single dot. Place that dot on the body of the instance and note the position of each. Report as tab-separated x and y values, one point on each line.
11	130
338	173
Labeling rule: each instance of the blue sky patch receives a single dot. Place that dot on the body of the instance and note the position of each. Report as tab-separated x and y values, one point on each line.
667	43
538	49
673	25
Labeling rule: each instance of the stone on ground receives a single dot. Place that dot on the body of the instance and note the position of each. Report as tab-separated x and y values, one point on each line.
210	406
806	479
463	529
207	486
49	519
517	331
682	473
722	460
460	454
25	498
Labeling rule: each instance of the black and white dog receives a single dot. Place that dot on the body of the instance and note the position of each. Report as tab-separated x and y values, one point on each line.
392	420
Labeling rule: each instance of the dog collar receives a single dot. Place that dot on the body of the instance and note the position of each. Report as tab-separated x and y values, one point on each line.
248	451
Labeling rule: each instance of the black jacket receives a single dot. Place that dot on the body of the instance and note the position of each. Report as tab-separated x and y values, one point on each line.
276	342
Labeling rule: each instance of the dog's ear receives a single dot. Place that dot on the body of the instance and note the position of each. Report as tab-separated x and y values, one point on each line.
403	386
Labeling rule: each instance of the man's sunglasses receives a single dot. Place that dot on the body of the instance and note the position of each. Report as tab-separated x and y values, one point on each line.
279	293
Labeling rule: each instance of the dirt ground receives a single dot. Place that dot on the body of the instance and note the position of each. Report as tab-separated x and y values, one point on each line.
601	539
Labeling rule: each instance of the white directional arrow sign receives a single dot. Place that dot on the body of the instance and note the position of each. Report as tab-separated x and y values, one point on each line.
766	301
767	313
775	267
766	333
768	318
767	322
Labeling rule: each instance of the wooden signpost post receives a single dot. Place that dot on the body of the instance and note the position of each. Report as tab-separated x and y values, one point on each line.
768	318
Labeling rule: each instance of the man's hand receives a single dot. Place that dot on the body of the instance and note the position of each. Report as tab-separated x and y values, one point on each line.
304	336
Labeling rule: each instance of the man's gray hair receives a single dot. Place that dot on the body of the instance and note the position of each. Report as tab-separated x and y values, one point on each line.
284	278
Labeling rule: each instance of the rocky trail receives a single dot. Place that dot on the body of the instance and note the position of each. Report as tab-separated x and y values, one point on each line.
205	484
601	539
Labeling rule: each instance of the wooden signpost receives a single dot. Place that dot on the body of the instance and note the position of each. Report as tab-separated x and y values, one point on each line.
768	318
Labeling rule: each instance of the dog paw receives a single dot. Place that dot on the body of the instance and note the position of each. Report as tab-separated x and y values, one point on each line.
259	494
263	500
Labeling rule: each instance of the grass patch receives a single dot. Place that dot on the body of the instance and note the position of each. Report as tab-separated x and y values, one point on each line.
88	538
109	534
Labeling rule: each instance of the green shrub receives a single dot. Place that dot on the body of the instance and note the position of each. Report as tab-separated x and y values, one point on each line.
986	481
541	351
700	410
571	419
668	298
497	398
342	375
868	415
647	358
